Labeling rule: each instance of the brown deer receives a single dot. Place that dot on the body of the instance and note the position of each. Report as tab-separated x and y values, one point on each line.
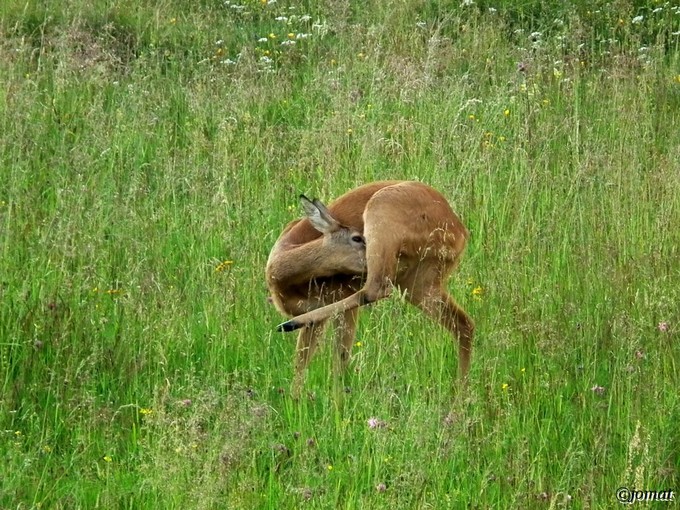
388	233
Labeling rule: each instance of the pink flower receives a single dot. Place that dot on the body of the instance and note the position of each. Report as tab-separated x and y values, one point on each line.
663	326
376	423
597	389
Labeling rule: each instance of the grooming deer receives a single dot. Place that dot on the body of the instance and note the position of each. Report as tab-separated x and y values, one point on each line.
376	237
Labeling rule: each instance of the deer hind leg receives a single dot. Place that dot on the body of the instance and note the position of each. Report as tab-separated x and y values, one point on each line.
441	307
306	345
456	320
382	258
345	332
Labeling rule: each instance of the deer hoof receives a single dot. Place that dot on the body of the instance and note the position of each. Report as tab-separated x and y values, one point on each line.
288	326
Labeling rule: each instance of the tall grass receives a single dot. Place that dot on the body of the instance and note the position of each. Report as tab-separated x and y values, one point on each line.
150	156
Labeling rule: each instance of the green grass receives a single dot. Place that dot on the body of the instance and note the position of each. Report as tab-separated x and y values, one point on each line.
152	152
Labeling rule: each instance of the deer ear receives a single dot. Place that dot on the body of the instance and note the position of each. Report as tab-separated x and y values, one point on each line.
319	216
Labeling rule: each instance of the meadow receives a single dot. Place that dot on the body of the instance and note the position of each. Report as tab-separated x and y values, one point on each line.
150	155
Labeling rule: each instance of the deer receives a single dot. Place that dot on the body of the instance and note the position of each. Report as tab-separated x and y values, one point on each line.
356	251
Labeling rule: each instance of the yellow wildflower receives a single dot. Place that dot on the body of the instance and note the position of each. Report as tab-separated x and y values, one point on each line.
223	265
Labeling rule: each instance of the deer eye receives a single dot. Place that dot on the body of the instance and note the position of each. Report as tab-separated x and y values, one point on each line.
357	239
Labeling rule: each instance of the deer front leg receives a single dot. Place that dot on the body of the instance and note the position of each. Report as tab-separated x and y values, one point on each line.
306	345
345	333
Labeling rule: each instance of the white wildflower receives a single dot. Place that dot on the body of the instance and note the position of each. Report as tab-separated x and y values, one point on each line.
321	28
637	19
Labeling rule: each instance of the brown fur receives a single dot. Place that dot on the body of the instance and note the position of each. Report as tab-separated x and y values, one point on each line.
414	241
